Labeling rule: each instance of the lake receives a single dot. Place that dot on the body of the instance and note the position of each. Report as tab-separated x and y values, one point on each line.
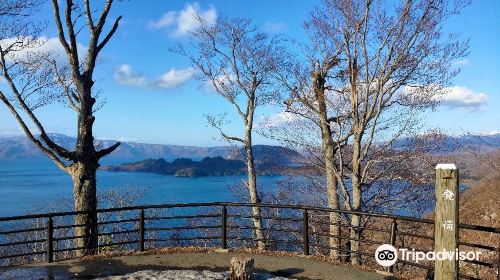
27	184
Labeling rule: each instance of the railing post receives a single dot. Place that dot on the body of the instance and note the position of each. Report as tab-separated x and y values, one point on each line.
340	251
394	229
50	240
141	231
224	227
305	232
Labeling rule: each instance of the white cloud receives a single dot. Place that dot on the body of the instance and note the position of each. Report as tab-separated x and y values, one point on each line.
280	118
463	98
42	44
223	81
167	19
174	77
274	27
491	133
124	75
462	62
185	20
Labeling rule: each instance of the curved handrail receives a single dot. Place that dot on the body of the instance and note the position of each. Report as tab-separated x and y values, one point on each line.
244	204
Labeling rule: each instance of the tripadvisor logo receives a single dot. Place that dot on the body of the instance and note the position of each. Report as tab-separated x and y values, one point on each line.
387	255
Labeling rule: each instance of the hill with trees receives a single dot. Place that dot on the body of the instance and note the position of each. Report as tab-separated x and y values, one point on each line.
208	166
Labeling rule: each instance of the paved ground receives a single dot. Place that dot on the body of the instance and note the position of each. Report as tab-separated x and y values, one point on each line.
186	274
293	267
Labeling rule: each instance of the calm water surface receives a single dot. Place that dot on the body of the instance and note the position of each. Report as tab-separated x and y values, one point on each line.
29	184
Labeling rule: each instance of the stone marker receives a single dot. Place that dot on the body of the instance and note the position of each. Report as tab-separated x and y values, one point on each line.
241	268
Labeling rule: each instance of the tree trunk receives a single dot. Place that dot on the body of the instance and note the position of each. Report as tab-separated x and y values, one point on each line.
252	189
334	240
83	172
356	202
85	199
331	190
329	157
242	268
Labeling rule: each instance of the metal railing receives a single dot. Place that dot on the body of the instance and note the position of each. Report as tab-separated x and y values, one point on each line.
297	229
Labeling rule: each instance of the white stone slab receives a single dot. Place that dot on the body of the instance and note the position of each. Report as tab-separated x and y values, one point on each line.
446	166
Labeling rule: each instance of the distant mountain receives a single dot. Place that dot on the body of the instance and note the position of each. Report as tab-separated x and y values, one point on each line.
17	147
453	144
20	147
268	155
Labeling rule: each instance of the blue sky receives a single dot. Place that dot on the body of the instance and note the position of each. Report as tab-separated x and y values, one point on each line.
151	98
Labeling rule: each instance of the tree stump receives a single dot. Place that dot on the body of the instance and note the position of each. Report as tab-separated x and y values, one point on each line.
241	268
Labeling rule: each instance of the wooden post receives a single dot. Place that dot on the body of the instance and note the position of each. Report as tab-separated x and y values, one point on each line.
241	268
50	240
446	221
141	231
305	232
224	227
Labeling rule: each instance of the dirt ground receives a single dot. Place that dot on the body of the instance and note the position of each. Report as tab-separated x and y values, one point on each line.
293	267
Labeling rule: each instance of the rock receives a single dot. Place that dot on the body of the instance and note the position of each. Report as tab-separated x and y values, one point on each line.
241	268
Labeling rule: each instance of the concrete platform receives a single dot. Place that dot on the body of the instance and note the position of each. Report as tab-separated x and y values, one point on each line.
287	266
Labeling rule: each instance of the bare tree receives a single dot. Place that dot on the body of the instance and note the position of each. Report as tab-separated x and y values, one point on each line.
34	79
310	98
238	62
393	63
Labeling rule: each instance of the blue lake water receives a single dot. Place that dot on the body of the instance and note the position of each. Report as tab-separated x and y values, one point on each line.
29	184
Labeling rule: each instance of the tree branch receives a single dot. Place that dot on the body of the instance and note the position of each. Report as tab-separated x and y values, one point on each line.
43	135
88	13
232	138
30	135
74	61
110	34
60	29
107	151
